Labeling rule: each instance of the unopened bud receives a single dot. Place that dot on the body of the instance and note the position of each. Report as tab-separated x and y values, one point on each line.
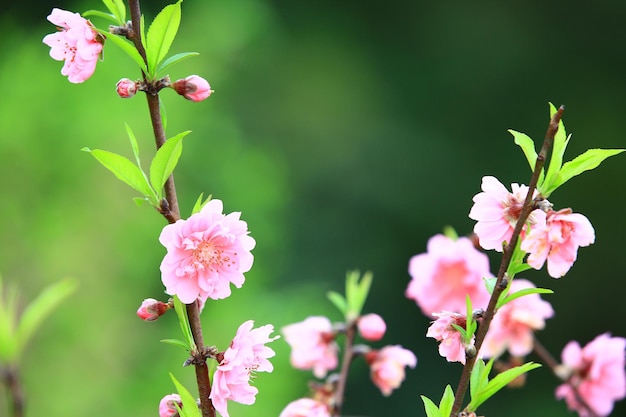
126	88
371	327
152	309
194	88
167	407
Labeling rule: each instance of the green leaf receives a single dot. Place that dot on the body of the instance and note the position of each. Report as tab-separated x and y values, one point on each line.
528	147
447	401
178	343
165	161
183	320
98	13
431	409
175	59
339	301
123	169
161	34
499	382
41	307
9	344
117	9
190	408
127	47
587	161
140	201
490	284
479	378
522	293
199	203
470	325
163	114
556	159
133	144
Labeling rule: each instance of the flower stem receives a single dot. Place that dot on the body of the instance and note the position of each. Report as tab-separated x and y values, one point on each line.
172	214
348	355
11	379
507	254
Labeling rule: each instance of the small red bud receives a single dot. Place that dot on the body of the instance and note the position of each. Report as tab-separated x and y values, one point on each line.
194	88
152	309
126	88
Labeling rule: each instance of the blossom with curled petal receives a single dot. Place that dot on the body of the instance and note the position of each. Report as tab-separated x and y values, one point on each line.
597	372
246	355
77	43
451	345
205	254
513	325
387	366
167	407
305	407
496	211
557	241
313	345
446	273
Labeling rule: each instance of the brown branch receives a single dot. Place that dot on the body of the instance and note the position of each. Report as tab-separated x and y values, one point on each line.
172	214
507	254
348	355
11	379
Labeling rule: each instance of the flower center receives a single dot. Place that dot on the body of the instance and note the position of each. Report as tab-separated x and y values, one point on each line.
211	256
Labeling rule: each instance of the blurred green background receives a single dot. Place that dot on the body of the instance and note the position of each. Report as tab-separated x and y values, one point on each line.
348	133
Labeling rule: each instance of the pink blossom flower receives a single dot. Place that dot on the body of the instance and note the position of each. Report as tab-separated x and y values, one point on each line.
167	407
451	347
77	43
313	345
246	355
126	88
557	241
387	366
513	325
496	211
193	88
371	327
446	273
597	373
205	254
305	407
152	309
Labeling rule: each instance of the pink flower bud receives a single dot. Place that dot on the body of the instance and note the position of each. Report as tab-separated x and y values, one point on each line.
194	88
126	88
152	309
167	407
371	327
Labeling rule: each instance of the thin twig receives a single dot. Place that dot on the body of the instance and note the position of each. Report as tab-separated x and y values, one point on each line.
172	215
507	253
348	355
11	379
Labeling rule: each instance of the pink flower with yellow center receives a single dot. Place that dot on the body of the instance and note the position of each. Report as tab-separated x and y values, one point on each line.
496	211
597	372
77	43
513	325
205	254
450	270
557	241
246	355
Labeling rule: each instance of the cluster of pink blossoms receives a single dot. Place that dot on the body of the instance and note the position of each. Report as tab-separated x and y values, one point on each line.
246	355
554	236
205	254
597	372
77	43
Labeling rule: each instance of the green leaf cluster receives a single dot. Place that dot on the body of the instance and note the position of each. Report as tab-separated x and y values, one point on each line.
445	405
357	290
16	331
161	167
557	172
481	388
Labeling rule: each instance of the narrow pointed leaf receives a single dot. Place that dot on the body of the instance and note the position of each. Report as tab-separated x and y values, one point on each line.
127	47
117	9
522	293
41	307
339	301
161	34
431	409
479	378
528	146
447	401
200	203
177	342
175	59
558	150
183	320
499	382
587	161
98	13
123	169
133	144
190	409
165	161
